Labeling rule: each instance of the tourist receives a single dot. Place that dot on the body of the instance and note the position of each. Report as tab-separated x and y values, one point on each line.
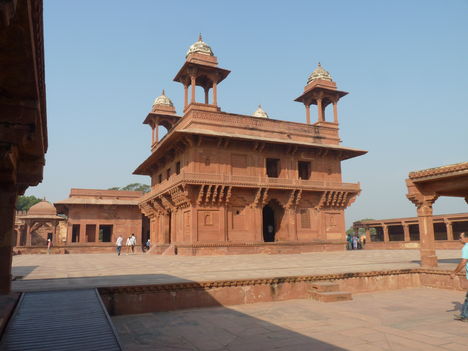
148	244
128	244
463	316
363	240
118	244
355	242
49	245
133	242
349	242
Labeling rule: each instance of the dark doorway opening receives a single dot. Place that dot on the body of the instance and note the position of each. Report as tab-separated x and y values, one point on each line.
75	233
49	236
105	233
268	224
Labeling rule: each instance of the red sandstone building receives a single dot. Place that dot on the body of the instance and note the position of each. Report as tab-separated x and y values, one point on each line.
403	233
97	217
230	183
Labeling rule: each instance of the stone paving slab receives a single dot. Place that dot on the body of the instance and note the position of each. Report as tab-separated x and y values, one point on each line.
409	319
51	272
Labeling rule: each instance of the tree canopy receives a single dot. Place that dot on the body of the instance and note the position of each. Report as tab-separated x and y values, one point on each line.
24	203
133	187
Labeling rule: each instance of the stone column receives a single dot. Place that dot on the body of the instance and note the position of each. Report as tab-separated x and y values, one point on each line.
215	93
7	223
185	95
206	96
448	224
335	111
386	237
156	134
192	83
320	110
28	233
426	233
308	114
406	231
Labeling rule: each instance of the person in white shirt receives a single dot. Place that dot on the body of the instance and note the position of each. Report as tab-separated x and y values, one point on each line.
133	242
118	244
128	244
463	316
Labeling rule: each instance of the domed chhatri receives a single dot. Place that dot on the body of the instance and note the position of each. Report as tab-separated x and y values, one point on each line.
163	100
260	113
319	73
43	208
200	47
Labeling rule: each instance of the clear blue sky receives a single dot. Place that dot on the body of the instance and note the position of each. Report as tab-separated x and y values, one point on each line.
404	64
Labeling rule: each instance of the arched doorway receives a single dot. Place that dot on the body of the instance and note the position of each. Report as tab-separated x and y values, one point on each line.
269	229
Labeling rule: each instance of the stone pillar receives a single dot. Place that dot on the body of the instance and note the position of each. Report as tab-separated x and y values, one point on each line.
335	111
185	95
215	93
28	233
192	83
206	96
386	237
292	228
7	223
426	234
448	224
156	134
406	232
320	110
308	114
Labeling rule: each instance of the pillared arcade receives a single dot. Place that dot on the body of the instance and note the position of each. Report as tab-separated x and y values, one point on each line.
225	183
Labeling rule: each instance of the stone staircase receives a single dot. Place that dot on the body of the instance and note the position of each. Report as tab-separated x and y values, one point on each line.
329	292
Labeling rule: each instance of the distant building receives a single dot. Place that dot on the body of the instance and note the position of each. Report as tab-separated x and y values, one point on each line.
90	220
230	183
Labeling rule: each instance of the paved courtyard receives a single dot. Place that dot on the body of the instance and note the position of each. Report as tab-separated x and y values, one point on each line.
43	272
409	319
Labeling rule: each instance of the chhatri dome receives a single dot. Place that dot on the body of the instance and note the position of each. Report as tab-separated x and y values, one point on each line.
319	73
260	113
43	208
200	47
163	100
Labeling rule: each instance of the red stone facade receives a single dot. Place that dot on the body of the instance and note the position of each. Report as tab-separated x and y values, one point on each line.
23	117
225	183
97	217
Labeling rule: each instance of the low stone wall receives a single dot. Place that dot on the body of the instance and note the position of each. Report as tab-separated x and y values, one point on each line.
169	297
212	249
411	245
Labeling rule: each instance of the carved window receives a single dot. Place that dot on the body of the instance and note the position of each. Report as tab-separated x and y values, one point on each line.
207	161
272	167
160	179
305	218
177	167
303	169
168	173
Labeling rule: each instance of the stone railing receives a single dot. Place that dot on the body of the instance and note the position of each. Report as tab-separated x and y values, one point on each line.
251	181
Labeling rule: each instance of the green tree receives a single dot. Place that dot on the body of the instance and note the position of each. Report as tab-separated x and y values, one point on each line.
361	231
133	187
24	203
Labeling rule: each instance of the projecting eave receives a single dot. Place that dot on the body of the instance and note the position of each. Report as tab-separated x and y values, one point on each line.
157	114
347	152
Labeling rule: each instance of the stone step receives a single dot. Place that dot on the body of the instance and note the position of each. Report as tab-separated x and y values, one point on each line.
332	296
325	286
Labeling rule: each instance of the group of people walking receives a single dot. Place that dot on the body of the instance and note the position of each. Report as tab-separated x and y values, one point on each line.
130	244
355	242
